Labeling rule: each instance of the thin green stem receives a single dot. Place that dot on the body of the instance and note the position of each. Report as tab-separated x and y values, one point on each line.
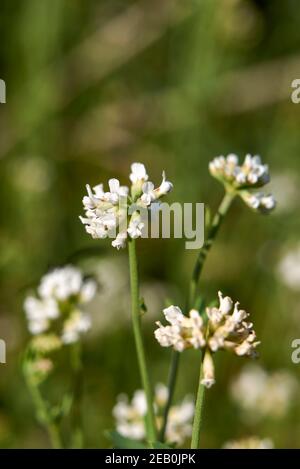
44	417
137	330
198	413
171	386
213	231
76	416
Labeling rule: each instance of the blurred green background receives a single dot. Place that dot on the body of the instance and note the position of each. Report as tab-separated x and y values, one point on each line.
93	85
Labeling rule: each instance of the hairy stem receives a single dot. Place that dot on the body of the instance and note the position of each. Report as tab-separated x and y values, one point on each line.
137	330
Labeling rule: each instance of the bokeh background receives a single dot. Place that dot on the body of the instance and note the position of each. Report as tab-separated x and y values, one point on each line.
93	85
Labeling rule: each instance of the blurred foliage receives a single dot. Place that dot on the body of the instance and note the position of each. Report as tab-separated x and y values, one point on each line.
93	85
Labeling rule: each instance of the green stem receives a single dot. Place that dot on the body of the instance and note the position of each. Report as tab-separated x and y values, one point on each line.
76	417
198	413
213	231
137	330
171	386
43	415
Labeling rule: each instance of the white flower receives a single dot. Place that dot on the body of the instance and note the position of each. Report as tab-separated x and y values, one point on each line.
60	292
261	394
225	304
259	201
252	173
135	228
161	394
242	179
39	312
77	324
252	442
130	416
165	187
230	331
138	173
107	213
225	329
87	291
120	241
289	268
184	331
60	283
148	195
179	425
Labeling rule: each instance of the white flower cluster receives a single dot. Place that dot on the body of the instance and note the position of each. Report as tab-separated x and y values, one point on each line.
251	174
225	329
117	210
60	295
261	394
130	416
289	269
251	442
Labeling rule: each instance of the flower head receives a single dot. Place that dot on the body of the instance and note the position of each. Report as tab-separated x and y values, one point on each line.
229	330
261	394
56	307
243	179
225	328
183	332
115	213
130	416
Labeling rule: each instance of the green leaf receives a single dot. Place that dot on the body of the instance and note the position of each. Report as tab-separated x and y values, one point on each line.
122	442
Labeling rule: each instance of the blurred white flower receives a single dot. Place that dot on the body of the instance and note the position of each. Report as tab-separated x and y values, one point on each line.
39	312
261	394
78	323
259	201
130	416
60	294
60	284
225	329
117	215
252	442
242	179
252	173
289	268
